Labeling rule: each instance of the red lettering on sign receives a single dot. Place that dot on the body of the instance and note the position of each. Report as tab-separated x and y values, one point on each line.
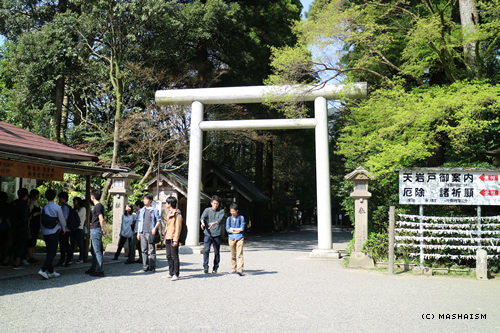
486	178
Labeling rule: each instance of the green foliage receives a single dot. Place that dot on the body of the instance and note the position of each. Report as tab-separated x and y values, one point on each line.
350	246
138	193
380	42
494	265
395	128
377	246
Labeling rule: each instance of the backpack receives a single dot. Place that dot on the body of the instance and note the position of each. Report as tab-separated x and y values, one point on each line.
184	230
73	221
47	221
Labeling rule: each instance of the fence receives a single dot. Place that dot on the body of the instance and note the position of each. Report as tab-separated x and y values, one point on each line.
456	238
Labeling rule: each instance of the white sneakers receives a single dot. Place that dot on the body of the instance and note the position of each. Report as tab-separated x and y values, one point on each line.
175	278
43	274
54	274
46	275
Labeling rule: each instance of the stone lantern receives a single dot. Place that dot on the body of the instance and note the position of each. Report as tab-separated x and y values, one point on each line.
360	178
120	189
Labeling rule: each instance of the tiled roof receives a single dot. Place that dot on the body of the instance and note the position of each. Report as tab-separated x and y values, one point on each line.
17	140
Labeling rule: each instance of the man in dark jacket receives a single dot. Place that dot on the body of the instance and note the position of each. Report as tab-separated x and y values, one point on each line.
211	225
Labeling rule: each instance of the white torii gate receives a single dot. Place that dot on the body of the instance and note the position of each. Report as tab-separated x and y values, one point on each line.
257	94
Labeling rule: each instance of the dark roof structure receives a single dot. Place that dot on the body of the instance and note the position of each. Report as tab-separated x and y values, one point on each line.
20	141
240	183
17	144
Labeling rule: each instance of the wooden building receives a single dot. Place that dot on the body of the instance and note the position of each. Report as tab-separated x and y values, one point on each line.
230	186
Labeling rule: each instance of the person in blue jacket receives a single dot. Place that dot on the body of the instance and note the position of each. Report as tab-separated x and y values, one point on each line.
235	227
149	221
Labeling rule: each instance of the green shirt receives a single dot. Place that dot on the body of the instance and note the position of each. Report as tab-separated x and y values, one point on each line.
209	216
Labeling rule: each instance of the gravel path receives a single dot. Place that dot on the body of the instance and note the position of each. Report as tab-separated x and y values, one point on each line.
283	291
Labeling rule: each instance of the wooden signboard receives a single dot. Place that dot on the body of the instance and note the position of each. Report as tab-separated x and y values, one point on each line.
449	186
30	170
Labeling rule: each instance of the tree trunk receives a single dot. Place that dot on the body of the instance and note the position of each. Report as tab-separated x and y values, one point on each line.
116	78
148	172
64	117
58	100
118	85
80	111
469	18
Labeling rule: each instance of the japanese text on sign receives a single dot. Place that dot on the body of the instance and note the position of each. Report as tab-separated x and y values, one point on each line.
30	170
449	186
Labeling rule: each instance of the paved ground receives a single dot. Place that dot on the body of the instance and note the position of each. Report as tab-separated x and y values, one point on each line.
283	291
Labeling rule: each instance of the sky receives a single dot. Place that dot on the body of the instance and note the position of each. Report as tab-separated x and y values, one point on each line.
305	5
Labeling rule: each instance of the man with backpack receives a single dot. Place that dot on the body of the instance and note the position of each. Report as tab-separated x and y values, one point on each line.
65	247
235	225
172	235
50	233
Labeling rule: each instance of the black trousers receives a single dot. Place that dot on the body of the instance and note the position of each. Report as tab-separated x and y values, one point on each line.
172	257
65	248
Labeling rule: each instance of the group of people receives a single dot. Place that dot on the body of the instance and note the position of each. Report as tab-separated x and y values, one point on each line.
20	229
62	234
211	219
21	224
16	243
22	221
140	230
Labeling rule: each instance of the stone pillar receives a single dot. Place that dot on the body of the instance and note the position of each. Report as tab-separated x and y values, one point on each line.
360	177
120	189
482	264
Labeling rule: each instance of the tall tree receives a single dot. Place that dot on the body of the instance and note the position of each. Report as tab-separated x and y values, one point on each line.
417	58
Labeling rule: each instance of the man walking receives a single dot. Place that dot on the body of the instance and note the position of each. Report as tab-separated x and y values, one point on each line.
96	232
235	226
210	224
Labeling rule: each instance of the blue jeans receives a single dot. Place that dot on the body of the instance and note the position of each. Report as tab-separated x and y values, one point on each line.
209	240
51	242
96	249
